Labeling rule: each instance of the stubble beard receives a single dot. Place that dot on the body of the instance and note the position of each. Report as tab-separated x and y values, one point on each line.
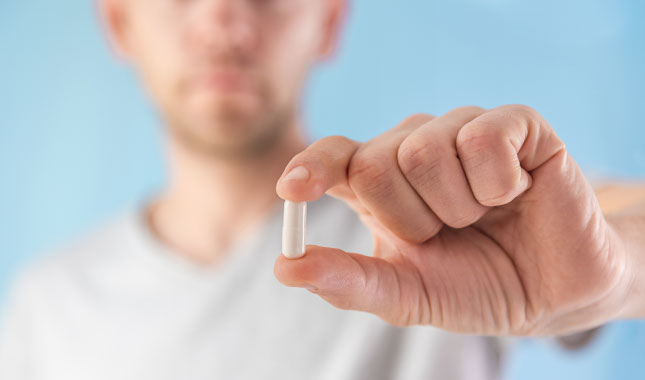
265	133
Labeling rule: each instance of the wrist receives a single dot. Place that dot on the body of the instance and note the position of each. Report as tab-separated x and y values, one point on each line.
629	242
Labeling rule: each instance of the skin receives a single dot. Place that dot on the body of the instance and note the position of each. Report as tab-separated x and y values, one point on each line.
481	220
227	77
482	223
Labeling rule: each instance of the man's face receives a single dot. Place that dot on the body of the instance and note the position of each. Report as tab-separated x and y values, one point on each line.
226	74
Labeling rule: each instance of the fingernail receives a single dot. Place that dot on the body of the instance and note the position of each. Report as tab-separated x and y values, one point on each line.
299	173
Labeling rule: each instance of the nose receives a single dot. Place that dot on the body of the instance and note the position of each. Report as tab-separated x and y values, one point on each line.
223	27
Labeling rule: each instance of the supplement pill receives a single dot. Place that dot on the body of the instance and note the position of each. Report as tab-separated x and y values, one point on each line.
293	229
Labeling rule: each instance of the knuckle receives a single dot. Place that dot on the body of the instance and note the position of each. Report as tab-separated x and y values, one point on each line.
469	110
476	137
524	110
417	118
326	150
420	158
336	140
520	113
490	129
370	169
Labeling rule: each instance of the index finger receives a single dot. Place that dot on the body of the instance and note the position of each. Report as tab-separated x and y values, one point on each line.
317	169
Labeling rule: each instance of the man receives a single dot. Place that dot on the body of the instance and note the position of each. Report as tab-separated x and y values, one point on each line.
184	286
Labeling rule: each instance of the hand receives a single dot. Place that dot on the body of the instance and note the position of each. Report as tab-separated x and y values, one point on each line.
482	224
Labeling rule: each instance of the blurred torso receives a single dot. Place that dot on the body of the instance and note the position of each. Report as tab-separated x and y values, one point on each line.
119	305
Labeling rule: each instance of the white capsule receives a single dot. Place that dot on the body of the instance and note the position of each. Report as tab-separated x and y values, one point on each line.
293	229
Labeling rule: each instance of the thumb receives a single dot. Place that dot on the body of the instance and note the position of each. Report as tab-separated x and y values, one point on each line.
392	290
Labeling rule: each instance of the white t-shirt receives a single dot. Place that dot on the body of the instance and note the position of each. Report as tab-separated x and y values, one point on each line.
119	305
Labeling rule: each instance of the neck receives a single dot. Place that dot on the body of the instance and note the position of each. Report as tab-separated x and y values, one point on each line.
211	203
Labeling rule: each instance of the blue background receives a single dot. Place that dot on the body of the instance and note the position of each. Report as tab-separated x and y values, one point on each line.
79	141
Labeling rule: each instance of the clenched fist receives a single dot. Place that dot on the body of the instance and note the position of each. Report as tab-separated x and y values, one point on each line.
482	223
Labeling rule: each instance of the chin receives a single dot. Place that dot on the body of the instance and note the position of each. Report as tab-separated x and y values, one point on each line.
224	105
228	125
233	135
